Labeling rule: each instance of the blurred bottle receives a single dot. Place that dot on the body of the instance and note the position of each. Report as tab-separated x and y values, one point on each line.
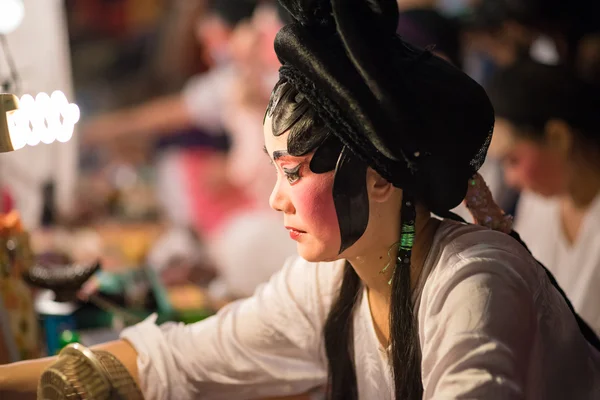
48	217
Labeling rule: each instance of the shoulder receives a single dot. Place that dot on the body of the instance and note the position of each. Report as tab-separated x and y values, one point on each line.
457	244
478	313
468	256
482	288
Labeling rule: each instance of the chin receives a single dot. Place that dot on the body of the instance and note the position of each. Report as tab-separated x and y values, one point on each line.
545	192
312	254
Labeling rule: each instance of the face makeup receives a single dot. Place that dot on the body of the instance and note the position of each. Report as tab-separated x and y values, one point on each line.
323	198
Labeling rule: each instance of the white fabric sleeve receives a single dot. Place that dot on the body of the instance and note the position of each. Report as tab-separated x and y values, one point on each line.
264	346
204	96
477	329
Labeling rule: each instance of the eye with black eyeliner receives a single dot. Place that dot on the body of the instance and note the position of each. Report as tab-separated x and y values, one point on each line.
292	174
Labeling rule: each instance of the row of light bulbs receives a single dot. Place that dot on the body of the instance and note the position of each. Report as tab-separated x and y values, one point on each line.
28	120
43	119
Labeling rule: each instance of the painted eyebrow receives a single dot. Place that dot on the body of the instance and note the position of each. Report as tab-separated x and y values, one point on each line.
279	153
276	154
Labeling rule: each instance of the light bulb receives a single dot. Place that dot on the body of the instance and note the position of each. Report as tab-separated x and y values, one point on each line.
42	101
35	137
54	128
53	121
11	15
59	99
27	102
47	135
42	119
20	118
71	114
37	120
17	137
65	133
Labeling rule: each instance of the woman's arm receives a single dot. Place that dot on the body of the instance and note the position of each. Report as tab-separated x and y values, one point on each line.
269	345
155	118
19	381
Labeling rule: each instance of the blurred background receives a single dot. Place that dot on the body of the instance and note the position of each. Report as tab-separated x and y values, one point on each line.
159	173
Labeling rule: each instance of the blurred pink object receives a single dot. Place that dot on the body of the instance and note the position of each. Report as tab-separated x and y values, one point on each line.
8	202
213	198
483	208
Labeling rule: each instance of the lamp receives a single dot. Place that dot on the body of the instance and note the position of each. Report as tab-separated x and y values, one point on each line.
9	103
30	120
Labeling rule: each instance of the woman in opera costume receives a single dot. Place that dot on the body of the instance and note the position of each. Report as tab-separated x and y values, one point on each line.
370	136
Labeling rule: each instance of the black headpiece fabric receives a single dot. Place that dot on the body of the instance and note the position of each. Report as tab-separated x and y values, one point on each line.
420	122
425	27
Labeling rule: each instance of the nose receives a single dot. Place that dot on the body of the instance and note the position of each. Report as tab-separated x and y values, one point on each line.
280	199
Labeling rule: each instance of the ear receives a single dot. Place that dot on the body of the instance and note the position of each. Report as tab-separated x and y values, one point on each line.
379	189
559	137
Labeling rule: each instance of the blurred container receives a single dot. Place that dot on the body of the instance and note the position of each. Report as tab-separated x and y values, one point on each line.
55	318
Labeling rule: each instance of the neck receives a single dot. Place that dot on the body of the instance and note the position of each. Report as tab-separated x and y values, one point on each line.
582	190
584	187
369	267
